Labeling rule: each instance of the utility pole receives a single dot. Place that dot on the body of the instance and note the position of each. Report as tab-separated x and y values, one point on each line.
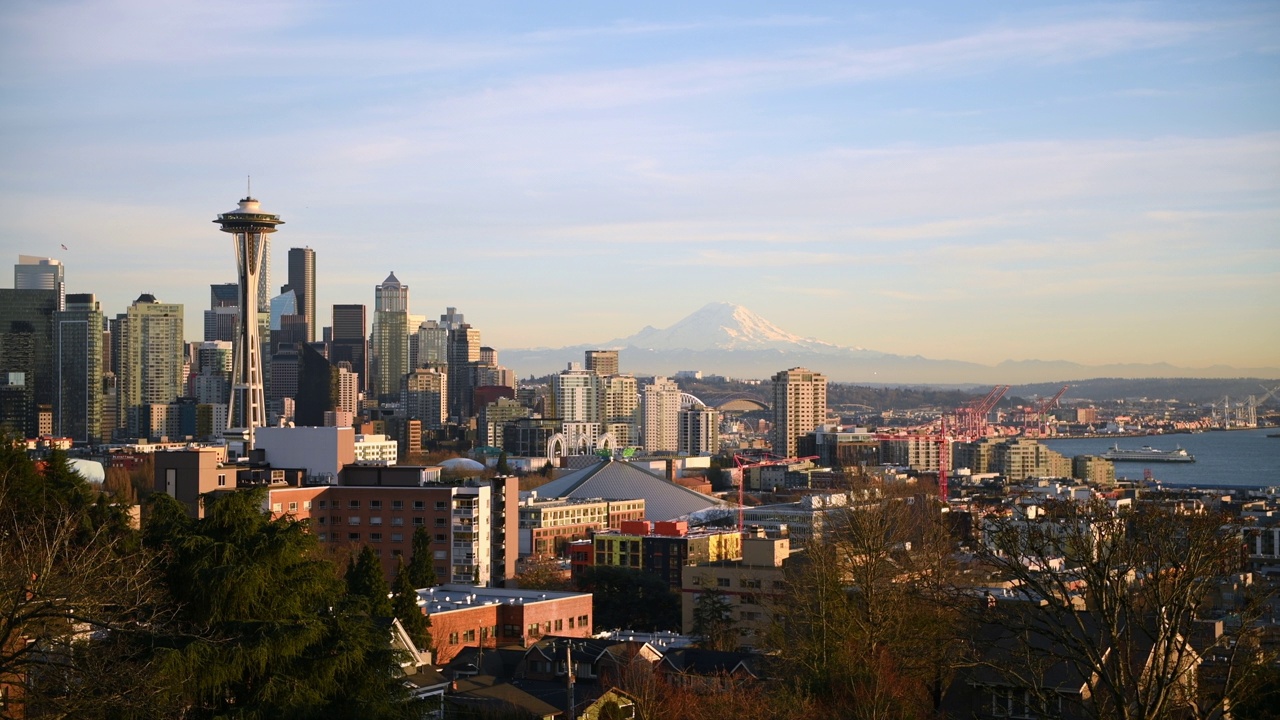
568	660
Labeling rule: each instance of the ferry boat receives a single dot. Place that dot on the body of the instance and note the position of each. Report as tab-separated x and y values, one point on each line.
1148	454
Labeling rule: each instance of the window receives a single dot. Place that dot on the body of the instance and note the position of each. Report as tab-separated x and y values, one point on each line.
353	520
354	504
532	630
397	553
222	480
375	537
322	536
722	582
442	505
321	520
571	623
323	504
397	537
397	504
440	522
441	537
397	521
582	621
453	638
275	507
293	507
419	521
353	536
419	505
375	520
559	625
510	630
750	582
375	504
469	636
306	505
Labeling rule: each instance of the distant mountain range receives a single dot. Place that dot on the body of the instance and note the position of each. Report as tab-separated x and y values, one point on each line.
730	340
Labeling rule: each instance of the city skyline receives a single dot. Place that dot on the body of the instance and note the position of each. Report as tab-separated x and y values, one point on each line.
1072	182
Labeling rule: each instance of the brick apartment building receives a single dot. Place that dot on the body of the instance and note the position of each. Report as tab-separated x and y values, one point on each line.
465	616
473	523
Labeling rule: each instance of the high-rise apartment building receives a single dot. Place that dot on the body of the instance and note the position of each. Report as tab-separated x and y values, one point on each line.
26	364
699	430
602	362
799	407
578	396
621	408
351	341
302	280
660	416
77	376
149	357
37	273
390	340
424	395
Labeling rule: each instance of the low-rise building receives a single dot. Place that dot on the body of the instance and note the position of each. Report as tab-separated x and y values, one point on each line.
663	548
548	525
465	615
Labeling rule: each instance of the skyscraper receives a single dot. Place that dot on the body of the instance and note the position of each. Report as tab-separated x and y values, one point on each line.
799	407
150	354
433	344
302	280
390	340
424	395
37	273
26	346
464	353
660	416
77	376
223	313
350	341
250	228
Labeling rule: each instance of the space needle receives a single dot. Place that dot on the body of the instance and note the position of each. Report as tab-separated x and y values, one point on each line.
249	226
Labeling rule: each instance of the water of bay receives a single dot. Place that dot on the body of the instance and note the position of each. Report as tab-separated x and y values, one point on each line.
1240	458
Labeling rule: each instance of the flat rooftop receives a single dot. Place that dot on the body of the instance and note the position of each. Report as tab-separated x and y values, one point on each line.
445	598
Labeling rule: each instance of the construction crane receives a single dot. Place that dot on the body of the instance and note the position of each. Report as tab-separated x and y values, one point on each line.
1039	413
942	439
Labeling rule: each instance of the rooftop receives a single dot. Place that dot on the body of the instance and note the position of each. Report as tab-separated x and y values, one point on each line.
446	598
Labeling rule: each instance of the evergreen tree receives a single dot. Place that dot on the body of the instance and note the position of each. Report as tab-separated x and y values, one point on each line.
404	604
422	566
266	628
366	582
713	624
503	467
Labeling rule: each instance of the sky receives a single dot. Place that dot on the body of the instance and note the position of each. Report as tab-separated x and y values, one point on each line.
1093	182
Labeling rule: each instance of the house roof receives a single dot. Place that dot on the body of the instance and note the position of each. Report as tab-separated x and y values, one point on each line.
485	691
696	661
619	480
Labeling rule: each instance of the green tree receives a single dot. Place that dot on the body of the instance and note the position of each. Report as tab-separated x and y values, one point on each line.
422	566
75	590
404	604
265	626
365	581
713	624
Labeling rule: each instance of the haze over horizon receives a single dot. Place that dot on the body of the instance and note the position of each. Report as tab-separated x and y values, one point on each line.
1074	181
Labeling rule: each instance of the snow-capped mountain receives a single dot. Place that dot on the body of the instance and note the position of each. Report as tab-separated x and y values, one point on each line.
723	326
728	339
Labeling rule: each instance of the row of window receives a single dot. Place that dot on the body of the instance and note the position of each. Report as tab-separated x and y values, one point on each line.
377	504
418	520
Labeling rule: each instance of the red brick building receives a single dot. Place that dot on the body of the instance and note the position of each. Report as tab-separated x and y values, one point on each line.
464	615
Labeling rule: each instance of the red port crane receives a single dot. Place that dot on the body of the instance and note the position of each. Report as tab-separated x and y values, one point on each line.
1039	414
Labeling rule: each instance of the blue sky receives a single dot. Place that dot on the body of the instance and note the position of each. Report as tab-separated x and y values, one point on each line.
1088	182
